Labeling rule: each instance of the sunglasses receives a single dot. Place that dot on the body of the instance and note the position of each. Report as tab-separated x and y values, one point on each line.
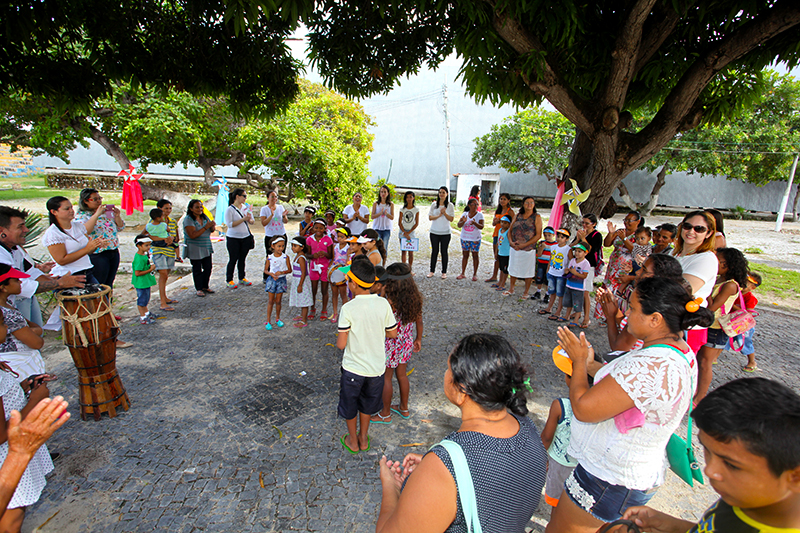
697	229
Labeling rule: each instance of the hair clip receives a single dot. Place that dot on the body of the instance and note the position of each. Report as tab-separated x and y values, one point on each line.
694	305
527	383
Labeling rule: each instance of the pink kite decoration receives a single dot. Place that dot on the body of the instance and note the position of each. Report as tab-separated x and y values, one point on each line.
558	208
131	191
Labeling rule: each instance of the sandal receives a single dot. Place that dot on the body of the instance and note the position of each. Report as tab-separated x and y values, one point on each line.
493	286
748	368
430	275
474	278
171	301
312	313
584	325
201	294
508	293
334	318
396	409
344	444
297	319
167	308
209	291
444	276
543	312
300	324
323	315
460	276
381	419
555	318
561	319
490	280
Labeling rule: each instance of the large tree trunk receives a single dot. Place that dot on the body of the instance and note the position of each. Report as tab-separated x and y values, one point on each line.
149	192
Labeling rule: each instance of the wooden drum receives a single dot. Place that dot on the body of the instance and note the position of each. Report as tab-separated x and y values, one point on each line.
90	332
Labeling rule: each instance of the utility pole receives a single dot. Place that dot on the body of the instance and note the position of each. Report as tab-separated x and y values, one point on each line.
785	200
447	137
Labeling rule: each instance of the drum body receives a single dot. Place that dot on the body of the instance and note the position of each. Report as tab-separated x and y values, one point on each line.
90	332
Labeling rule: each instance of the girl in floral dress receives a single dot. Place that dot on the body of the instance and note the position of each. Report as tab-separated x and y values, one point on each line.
406	300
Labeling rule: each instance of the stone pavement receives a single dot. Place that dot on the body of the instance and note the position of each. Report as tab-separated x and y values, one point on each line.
232	428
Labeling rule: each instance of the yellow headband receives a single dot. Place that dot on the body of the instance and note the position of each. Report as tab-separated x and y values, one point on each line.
358	282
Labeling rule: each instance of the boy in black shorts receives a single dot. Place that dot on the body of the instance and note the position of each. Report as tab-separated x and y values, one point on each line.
364	323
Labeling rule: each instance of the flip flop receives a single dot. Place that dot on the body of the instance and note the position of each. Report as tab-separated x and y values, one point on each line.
561	319
171	301
300	324
554	318
323	315
346	447
493	286
430	275
507	293
748	368
396	409
490	280
474	278
381	419
461	276
201	294
543	312
584	326
369	444
500	289
574	324
168	308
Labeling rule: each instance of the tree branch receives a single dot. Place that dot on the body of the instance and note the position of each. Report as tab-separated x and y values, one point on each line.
681	100
551	86
626	50
664	19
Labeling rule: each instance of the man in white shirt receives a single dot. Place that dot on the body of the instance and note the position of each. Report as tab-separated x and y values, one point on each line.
12	237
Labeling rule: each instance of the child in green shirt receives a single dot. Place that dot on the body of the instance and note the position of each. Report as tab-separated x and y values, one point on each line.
143	277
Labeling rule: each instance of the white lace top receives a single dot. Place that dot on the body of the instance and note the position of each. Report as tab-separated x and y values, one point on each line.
73	239
661	385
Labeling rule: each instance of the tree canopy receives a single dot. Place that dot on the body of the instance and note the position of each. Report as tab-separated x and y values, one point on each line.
691	62
73	51
319	145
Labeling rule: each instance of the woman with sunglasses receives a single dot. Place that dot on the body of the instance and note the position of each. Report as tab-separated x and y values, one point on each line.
238	239
694	250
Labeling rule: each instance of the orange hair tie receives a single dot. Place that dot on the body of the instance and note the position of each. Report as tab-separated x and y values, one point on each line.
694	305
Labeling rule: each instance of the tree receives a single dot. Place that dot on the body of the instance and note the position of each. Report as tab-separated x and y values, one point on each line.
319	145
73	52
692	63
757	146
532	140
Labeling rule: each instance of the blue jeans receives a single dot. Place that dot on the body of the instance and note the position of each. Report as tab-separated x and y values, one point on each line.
748	347
385	235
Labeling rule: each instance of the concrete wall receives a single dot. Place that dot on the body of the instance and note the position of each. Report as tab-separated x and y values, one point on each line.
410	139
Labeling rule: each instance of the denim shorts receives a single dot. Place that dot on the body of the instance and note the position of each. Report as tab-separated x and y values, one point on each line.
541	273
748	347
556	285
276	286
162	262
717	339
470	246
573	298
359	394
143	297
601	499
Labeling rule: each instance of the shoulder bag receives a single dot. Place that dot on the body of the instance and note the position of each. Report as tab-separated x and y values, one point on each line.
250	241
466	489
737	322
680	453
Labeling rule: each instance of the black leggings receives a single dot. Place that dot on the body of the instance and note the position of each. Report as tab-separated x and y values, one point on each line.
237	253
106	265
201	272
439	241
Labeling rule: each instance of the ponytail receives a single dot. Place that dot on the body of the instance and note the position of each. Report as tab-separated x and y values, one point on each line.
669	298
54	204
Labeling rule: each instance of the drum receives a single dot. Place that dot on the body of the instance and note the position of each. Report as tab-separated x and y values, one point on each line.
336	276
90	332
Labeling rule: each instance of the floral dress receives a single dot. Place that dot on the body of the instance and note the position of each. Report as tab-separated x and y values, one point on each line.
302	299
620	263
398	350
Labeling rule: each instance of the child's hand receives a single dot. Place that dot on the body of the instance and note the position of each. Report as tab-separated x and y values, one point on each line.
410	462
417	345
299	289
655	521
391	474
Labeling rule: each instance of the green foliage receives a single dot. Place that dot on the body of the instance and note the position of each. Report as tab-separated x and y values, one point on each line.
532	140
753	250
778	281
757	146
73	52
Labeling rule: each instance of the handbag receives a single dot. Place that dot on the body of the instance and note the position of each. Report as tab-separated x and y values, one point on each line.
680	453
249	241
737	322
629	524
466	489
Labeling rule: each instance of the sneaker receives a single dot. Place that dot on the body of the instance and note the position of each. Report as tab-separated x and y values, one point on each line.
537	296
279	324
232	285
268	327
244	282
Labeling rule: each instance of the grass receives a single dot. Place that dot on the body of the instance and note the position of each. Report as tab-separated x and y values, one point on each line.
778	281
753	250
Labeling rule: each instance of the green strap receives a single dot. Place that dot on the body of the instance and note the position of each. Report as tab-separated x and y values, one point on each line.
689	422
466	489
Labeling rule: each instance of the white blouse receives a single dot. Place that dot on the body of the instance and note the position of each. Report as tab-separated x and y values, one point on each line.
73	239
661	384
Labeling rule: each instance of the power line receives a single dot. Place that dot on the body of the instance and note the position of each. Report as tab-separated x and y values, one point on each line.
726	151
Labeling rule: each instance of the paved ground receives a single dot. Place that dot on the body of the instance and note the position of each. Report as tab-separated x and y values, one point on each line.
233	428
